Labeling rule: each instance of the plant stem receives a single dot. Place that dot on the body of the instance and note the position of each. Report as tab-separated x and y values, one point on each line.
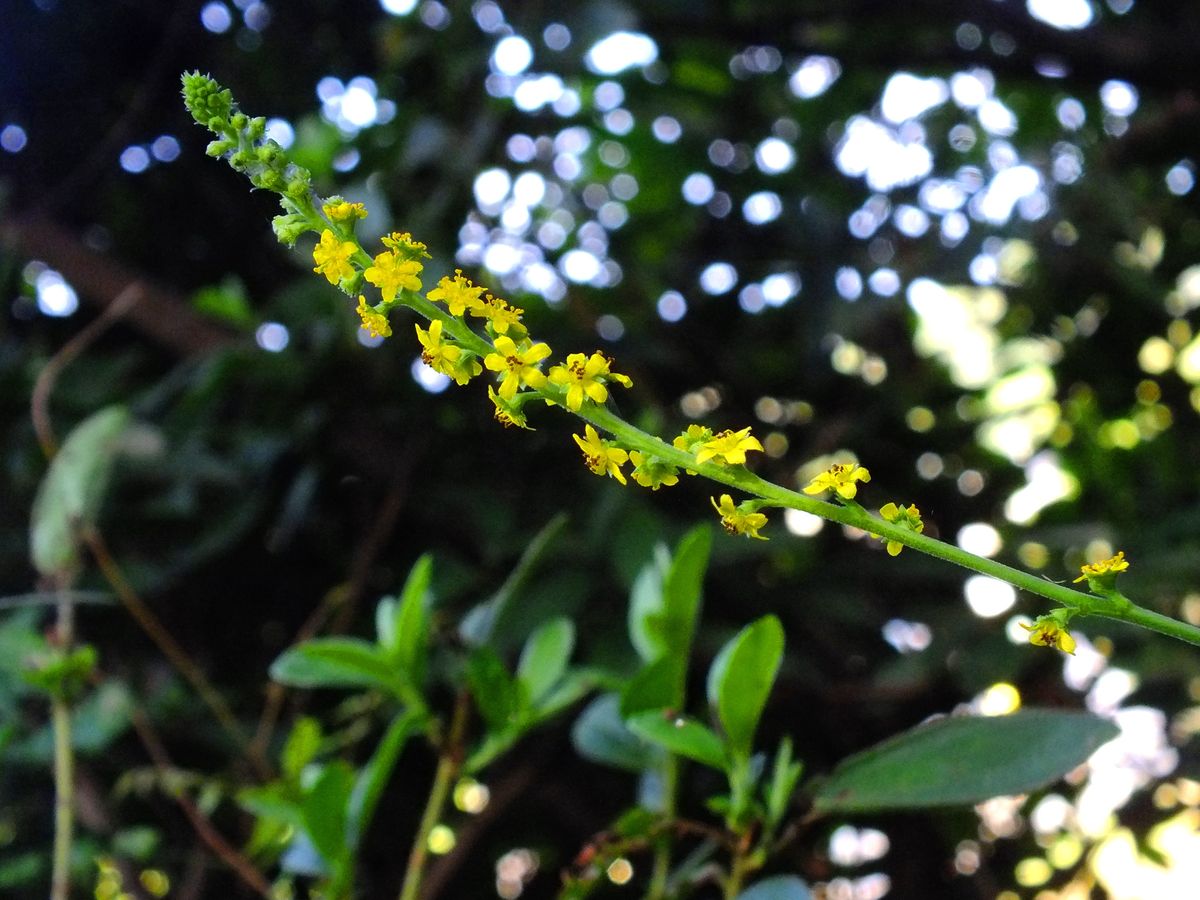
450	760
738	869
662	850
64	798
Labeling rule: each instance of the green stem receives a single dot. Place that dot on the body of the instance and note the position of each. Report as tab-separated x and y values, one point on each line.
662	850
64	799
449	765
738	868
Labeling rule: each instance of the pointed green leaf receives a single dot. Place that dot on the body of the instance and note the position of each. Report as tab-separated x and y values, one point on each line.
600	734
409	644
335	662
71	492
741	678
544	658
655	686
682	589
494	690
682	736
646	604
781	887
301	746
373	778
325	806
964	760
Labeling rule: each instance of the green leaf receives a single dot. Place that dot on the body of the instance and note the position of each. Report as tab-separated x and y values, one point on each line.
301	746
646	605
272	802
544	658
373	777
335	662
325	807
682	736
682	589
70	495
600	735
963	760
478	625
781	887
655	686
741	677
495	692
785	774
403	626
226	302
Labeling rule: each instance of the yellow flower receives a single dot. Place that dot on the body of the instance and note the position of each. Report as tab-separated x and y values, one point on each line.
458	293
602	457
691	439
500	314
737	521
403	243
391	274
375	322
728	447
586	376
340	212
1106	567
449	359
651	471
1049	632
333	257
507	414
519	366
907	517
840	478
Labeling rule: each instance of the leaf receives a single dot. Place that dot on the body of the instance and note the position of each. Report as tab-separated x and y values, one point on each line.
479	624
404	634
325	808
963	760
600	735
646	604
301	746
544	658
682	736
72	490
335	662
682	589
373	777
741	677
781	887
494	690
653	687
272	801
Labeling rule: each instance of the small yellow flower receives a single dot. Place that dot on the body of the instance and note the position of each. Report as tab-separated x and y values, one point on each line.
333	257
373	320
458	293
907	517
403	243
449	359
585	376
1049	632
507	414
1110	567
840	478
602	457
736	521
499	314
651	471
728	447
519	366
392	274
692	438
341	212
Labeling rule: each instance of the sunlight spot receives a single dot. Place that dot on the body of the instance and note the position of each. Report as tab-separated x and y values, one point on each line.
619	51
989	597
1067	15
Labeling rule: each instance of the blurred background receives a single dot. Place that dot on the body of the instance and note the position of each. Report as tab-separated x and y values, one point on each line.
957	241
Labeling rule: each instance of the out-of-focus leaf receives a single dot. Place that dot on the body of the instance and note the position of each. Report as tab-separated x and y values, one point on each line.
645	602
682	736
741	678
226	302
544	658
600	734
373	778
964	759
495	692
335	662
272	801
301	746
654	687
325	808
405	633
70	495
781	887
21	870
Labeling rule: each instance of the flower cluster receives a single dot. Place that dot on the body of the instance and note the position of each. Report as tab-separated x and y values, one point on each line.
907	517
1103	574
1050	631
840	478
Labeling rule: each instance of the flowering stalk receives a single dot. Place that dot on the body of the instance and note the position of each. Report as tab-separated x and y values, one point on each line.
453	347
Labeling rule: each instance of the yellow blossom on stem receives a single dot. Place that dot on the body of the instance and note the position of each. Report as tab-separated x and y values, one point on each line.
840	478
1047	631
585	376
519	366
1105	570
905	516
333	257
652	472
391	274
500	315
602	457
506	413
341	212
692	438
403	243
449	359
735	520
728	447
373	320
458	293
